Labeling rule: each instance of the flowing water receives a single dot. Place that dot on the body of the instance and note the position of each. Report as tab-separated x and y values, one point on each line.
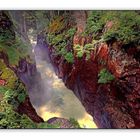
59	100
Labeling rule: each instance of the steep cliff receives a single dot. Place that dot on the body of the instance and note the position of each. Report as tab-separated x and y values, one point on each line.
19	79
95	53
13	89
92	57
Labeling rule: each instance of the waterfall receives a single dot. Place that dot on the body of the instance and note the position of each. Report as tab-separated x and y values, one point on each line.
58	100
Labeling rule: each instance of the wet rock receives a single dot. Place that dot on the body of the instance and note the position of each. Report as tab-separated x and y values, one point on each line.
110	105
63	123
27	108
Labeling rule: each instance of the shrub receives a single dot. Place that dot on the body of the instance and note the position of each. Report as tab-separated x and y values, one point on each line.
105	77
46	125
10	119
6	36
125	27
71	32
74	123
15	52
81	50
69	57
8	75
93	25
57	39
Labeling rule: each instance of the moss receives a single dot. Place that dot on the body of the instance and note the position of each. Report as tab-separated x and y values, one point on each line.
8	75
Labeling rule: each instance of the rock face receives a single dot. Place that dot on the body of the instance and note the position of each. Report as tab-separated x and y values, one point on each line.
64	123
24	71
28	74
27	108
112	105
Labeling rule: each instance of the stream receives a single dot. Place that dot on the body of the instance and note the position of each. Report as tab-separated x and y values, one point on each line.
58	100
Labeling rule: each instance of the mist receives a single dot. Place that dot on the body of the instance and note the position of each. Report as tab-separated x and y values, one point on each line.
55	100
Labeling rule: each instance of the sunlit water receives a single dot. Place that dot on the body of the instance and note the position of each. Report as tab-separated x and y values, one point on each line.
60	101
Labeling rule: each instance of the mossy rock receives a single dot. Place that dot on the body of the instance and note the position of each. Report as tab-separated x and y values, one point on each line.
8	75
15	52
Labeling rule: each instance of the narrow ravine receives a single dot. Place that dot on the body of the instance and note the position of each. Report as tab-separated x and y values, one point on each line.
59	100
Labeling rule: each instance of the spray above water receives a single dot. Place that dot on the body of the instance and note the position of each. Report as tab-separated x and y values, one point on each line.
58	100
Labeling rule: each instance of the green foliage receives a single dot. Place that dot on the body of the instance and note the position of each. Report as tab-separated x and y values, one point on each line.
10	119
8	75
59	42
46	125
6	36
71	32
59	37
56	39
74	123
14	90
125	25
93	24
15	52
6	30
105	76
84	50
21	97
20	92
69	57
3	89
80	51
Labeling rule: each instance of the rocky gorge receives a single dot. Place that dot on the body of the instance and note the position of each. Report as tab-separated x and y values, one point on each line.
104	74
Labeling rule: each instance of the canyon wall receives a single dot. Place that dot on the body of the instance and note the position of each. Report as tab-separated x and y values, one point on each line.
112	105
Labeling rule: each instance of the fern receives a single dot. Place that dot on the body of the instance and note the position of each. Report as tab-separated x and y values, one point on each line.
105	77
69	57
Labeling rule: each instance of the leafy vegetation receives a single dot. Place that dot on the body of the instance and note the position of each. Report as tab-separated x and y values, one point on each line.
124	26
6	31
46	125
10	119
74	123
6	35
59	38
70	33
69	57
105	76
15	52
81	50
8	75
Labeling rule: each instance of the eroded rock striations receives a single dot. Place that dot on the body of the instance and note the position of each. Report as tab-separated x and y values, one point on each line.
112	105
